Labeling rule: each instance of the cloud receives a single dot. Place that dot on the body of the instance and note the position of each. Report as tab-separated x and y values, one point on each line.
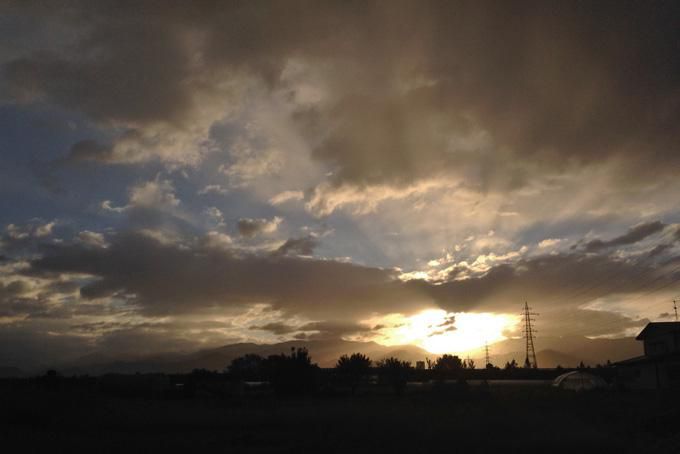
94	239
143	286
634	235
25	298
89	150
184	277
213	189
251	164
407	146
315	330
250	228
298	246
327	198
549	242
21	238
168	277
374	110
276	328
217	240
215	216
156	194
34	229
286	196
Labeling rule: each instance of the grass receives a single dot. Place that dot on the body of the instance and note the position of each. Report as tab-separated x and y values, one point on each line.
504	419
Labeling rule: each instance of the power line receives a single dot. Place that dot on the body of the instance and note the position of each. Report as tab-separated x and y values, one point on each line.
613	276
675	309
644	286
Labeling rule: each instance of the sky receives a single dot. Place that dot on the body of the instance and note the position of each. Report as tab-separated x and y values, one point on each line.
183	175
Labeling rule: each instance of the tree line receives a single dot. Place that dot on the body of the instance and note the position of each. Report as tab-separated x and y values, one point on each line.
295	373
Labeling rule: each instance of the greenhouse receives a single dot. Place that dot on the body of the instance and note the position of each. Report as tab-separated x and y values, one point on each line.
579	381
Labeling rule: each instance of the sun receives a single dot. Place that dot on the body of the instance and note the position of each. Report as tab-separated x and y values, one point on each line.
439	331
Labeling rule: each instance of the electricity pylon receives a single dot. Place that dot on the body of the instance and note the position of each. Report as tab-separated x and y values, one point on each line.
530	358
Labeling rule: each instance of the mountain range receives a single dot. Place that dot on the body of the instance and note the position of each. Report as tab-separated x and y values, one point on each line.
550	352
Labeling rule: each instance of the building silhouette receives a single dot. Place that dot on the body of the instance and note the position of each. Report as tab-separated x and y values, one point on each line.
659	367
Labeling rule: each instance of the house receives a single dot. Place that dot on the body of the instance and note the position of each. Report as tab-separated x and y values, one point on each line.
659	367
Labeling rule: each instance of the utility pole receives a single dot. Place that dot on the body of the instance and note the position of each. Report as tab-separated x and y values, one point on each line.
487	361
675	309
530	358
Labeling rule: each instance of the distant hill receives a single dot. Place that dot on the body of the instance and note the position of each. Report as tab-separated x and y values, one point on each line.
545	358
323	352
551	351
565	351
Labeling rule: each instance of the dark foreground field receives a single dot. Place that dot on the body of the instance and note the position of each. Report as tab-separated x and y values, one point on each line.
500	419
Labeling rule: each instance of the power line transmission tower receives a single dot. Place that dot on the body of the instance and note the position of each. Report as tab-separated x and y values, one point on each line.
675	309
487	361
530	358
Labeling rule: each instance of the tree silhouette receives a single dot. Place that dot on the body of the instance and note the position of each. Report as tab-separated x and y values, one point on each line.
291	374
248	367
429	362
353	370
394	372
448	366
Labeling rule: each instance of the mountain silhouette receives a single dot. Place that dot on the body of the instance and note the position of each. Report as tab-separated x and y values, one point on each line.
551	352
323	352
567	351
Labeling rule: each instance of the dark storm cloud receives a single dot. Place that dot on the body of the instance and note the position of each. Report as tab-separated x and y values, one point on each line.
579	83
167	278
172	278
634	234
117	72
554	282
495	90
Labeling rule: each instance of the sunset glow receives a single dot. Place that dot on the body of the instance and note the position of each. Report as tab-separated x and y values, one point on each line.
438	331
331	225
183	177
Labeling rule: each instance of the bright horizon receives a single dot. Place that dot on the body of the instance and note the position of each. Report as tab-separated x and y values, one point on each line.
439	332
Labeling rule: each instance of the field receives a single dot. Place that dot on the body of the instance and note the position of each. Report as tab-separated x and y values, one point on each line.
444	419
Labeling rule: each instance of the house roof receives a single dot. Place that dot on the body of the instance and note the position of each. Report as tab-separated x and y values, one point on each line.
656	328
632	361
671	357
